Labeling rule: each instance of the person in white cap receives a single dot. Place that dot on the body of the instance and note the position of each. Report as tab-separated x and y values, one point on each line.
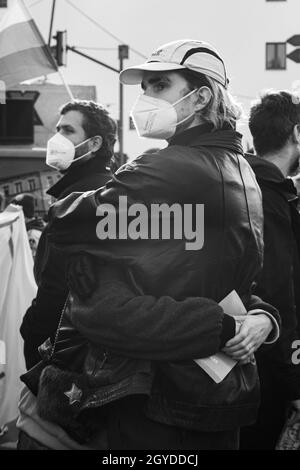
181	79
149	303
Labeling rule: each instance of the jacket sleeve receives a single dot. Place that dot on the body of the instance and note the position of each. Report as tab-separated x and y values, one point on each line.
145	327
41	318
276	285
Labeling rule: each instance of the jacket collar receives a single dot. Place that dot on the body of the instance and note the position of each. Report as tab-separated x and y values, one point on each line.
204	135
74	174
269	173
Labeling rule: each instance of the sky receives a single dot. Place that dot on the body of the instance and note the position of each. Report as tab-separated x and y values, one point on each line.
237	28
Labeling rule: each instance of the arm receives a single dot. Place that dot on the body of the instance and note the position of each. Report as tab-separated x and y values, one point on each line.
116	315
145	327
41	319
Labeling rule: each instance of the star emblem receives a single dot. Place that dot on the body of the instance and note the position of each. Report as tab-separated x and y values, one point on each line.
74	394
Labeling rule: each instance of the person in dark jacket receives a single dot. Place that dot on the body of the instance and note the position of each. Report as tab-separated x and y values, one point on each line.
81	151
152	306
274	124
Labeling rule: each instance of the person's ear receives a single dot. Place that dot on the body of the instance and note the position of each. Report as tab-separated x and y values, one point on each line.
204	97
95	143
296	134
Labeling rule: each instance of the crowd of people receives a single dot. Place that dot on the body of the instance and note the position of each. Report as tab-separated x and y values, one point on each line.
121	316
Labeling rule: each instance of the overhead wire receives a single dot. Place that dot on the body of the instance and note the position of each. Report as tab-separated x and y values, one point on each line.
35	3
105	30
97	48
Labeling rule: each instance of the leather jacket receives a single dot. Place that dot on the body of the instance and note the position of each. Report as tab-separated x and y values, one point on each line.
198	167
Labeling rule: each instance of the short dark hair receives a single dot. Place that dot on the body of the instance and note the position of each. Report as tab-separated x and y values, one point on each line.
272	120
27	201
96	121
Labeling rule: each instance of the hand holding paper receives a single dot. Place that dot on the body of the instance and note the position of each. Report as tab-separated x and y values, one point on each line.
219	365
251	335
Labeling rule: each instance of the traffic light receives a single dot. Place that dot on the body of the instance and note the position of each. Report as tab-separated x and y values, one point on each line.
59	51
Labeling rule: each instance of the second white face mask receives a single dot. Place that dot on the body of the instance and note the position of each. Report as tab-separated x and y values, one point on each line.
156	118
61	152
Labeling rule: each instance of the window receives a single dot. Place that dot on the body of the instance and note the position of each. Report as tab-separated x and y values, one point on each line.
6	191
276	56
50	180
19	187
3	3
31	183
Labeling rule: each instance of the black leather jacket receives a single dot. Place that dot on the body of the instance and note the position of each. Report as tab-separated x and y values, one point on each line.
164	311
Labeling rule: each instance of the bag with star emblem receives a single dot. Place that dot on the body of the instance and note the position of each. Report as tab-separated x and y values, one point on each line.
59	400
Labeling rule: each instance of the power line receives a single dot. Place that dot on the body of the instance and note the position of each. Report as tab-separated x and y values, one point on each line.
97	48
103	29
35	3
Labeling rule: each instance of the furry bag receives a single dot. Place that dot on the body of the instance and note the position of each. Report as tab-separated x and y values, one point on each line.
60	398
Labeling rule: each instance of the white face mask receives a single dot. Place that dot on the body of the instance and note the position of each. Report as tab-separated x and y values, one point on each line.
156	118
61	152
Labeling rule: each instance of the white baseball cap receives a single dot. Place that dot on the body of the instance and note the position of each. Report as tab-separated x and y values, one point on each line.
190	54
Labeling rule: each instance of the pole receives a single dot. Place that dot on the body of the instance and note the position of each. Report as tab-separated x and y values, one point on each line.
121	104
69	91
51	22
123	54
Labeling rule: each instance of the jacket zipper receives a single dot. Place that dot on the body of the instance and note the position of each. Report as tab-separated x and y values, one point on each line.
105	355
96	366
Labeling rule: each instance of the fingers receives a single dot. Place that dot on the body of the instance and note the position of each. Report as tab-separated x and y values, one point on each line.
249	360
243	345
242	355
239	338
240	348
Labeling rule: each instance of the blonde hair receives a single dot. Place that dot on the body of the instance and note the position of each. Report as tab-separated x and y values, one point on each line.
222	108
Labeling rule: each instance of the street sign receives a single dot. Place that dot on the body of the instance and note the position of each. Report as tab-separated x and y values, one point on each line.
295	55
294	40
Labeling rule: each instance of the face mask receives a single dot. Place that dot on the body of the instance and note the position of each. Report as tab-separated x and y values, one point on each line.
156	118
61	152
